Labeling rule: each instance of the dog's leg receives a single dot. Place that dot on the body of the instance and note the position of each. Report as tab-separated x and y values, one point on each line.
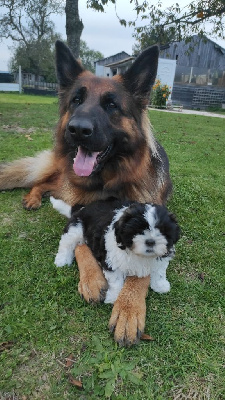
62	207
67	245
115	281
93	285
129	311
159	283
32	200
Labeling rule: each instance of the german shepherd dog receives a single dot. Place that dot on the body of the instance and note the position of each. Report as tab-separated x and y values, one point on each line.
104	147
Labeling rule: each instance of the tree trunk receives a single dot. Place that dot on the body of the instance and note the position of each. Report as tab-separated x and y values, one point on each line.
74	26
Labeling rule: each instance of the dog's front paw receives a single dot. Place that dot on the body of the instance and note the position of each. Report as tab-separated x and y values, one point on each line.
160	286
93	285
127	320
32	201
93	289
62	259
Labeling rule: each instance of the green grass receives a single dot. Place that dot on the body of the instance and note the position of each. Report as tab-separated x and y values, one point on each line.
43	316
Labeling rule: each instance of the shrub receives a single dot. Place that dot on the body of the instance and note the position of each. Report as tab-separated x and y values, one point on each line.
160	94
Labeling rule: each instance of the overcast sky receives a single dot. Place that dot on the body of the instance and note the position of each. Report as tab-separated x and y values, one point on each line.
102	31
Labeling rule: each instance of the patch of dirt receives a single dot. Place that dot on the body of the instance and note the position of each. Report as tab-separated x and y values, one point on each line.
37	376
196	389
7	221
18	129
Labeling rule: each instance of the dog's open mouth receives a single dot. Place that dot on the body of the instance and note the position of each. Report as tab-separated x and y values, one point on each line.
86	161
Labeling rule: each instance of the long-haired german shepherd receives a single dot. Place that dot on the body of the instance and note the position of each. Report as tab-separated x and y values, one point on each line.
104	147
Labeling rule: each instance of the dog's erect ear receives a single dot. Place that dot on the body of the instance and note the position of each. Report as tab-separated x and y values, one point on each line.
140	77
67	67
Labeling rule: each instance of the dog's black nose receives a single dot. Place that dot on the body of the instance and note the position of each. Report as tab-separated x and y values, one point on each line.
150	242
80	127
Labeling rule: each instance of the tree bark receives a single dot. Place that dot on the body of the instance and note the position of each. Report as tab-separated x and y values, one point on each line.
74	26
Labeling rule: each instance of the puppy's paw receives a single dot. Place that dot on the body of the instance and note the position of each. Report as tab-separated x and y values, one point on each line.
63	259
110	297
160	286
127	319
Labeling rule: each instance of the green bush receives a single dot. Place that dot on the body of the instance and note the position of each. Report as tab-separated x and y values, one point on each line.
160	94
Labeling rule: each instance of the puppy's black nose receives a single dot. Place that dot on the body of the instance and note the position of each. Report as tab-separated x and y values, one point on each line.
150	242
80	127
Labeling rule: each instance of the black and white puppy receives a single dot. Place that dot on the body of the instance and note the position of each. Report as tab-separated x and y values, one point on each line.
126	238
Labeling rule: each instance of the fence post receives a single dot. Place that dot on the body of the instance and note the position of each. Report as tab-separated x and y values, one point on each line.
20	79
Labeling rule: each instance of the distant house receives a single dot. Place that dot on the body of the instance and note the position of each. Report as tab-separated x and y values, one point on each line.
113	65
29	79
200	73
36	84
119	63
199	68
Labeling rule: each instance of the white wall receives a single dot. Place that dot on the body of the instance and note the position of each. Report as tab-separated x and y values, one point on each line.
9	87
166	71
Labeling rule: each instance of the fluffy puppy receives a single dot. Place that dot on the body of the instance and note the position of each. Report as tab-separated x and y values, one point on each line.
127	239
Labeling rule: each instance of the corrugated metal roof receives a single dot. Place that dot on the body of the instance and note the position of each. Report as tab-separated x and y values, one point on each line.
124	61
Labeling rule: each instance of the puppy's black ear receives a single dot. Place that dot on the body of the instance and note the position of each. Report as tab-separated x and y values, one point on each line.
123	231
118	227
176	228
67	68
140	77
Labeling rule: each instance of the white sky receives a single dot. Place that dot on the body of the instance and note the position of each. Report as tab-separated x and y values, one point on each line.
102	31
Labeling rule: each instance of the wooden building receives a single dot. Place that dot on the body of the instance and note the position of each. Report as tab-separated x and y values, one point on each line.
200	73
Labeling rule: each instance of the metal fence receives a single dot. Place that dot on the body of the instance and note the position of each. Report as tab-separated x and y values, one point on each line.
41	85
41	88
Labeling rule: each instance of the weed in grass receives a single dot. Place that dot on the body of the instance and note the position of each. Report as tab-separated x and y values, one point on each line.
103	370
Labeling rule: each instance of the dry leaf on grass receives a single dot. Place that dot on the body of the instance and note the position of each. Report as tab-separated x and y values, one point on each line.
75	382
28	137
144	336
69	361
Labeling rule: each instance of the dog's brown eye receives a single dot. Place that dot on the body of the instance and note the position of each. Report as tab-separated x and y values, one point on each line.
111	105
77	100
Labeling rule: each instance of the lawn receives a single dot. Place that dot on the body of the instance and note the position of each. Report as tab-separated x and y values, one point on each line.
43	321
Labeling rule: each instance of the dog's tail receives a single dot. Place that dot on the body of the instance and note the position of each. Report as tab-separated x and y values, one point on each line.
28	171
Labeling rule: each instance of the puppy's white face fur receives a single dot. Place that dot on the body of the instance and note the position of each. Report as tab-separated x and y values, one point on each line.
145	251
151	243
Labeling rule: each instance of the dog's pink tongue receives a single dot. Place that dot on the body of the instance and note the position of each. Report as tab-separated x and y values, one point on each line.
84	162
